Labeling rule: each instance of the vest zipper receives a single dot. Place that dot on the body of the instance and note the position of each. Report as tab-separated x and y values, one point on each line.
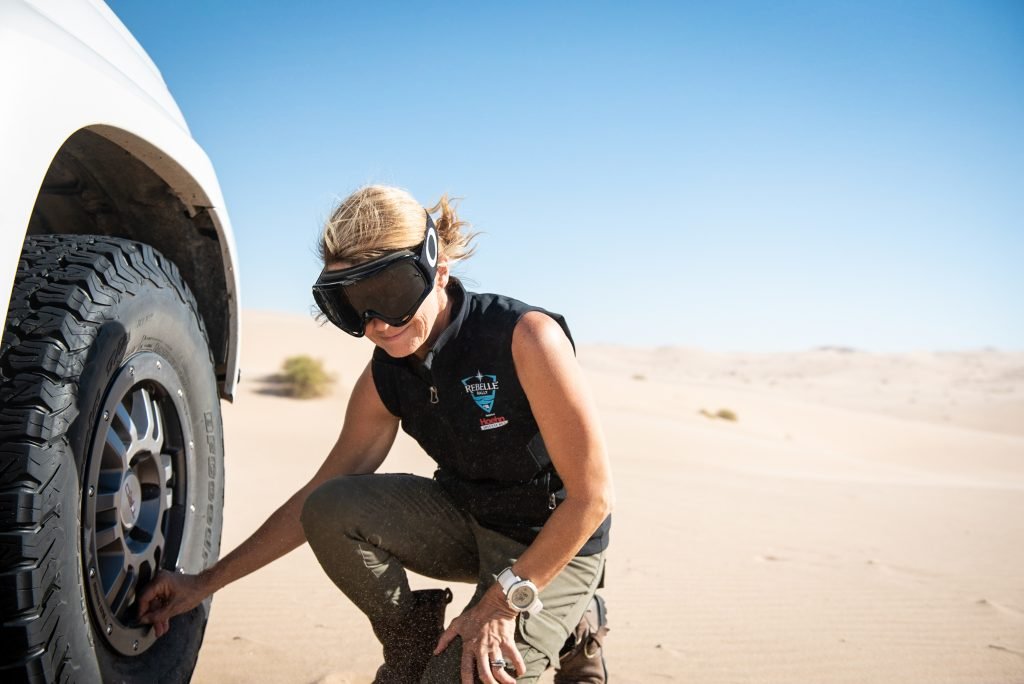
551	501
433	395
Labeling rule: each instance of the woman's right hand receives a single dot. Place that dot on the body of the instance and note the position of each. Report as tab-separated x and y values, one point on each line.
169	594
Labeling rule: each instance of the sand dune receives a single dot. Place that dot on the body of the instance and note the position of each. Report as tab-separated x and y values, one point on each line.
861	521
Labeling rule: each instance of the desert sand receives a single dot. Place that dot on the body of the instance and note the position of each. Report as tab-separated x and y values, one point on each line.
861	521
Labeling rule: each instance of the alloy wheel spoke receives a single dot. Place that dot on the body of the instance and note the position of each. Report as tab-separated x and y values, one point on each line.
148	434
120	589
117	446
167	468
148	560
106	501
123	419
107	536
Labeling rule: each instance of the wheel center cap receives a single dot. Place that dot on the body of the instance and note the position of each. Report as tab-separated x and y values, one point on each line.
131	500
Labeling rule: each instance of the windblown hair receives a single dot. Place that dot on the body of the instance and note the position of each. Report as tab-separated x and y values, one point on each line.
377	219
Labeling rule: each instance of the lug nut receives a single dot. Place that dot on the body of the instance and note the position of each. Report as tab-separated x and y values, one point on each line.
92	572
106	415
135	645
92	491
158	366
179	393
110	630
131	370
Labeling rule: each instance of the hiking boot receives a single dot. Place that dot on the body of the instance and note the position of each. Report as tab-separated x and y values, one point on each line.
581	660
409	642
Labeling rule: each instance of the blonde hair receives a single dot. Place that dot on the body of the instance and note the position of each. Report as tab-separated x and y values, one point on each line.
377	219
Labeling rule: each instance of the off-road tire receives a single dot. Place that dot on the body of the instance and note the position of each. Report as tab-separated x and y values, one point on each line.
103	342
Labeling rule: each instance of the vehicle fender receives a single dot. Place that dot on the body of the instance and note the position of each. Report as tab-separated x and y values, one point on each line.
87	71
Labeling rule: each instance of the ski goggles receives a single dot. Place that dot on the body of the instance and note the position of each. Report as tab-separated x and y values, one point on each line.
390	287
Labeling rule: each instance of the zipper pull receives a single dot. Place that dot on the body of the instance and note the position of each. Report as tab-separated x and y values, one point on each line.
433	395
551	501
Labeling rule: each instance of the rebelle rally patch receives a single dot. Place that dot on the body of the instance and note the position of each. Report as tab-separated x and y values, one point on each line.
483	389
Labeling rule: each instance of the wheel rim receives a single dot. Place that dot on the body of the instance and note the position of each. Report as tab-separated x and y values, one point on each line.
135	493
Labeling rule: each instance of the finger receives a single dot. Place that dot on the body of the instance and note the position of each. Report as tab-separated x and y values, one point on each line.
143	605
503	676
467	671
155	609
500	674
154	616
146	611
162	628
148	601
514	658
446	638
483	666
154	595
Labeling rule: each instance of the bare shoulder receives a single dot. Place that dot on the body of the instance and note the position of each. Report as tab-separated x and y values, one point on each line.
538	333
541	350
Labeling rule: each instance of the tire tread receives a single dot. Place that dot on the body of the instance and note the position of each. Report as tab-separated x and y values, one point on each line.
64	288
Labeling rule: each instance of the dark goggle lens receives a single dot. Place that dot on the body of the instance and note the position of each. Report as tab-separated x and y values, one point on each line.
333	304
393	294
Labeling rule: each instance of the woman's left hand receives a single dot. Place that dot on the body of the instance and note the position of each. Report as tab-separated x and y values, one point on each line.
488	632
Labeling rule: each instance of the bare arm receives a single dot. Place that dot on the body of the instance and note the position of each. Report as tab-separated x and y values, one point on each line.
366	437
565	412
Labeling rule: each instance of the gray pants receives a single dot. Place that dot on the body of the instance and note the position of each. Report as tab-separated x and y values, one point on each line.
366	530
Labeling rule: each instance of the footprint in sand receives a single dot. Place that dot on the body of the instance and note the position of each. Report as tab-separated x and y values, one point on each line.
769	558
669	650
997	647
805	557
1002	608
901	571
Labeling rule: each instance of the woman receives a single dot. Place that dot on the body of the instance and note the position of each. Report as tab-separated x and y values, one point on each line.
520	501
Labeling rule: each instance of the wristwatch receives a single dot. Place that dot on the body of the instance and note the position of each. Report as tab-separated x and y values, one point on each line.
521	594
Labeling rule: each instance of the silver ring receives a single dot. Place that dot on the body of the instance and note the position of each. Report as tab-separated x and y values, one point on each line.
499	663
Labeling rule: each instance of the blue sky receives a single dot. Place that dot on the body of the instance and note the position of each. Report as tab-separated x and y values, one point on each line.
737	176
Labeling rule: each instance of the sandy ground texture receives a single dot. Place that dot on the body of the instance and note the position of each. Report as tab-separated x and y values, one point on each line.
861	521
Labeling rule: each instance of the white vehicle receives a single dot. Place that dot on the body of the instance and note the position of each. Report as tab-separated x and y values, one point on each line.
119	293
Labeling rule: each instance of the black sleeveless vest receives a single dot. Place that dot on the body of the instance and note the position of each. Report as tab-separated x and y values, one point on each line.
466	408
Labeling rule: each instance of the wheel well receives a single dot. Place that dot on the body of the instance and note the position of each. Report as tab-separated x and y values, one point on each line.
94	186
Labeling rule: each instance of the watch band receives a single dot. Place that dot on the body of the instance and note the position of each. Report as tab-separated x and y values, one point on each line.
511	583
506	578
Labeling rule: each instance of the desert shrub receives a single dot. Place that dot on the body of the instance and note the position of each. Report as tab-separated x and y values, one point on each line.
726	414
723	414
304	377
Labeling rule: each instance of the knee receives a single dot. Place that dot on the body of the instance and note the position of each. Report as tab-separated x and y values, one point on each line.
329	507
318	508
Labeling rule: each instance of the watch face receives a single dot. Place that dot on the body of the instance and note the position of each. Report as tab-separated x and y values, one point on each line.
522	596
